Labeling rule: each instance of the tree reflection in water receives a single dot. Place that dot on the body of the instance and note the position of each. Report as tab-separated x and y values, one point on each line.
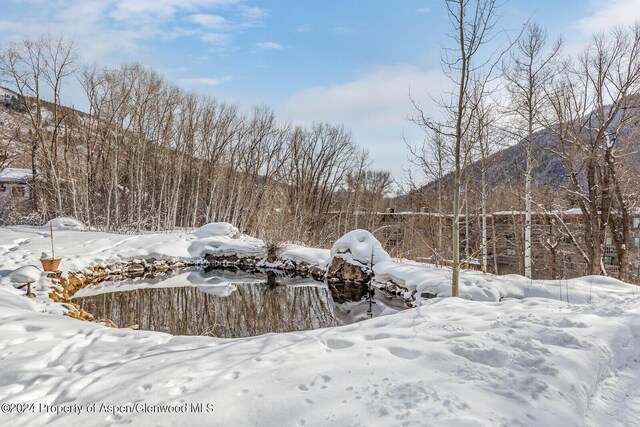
251	309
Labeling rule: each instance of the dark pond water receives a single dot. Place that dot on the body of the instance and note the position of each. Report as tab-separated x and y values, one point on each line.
222	304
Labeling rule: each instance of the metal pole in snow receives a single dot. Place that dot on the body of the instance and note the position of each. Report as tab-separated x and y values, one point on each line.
369	289
53	254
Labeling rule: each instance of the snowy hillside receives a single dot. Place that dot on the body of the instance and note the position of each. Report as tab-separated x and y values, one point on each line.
507	165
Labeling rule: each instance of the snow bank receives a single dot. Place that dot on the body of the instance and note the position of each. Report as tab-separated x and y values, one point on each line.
223	246
311	256
358	246
419	279
451	362
217	229
221	239
23	245
64	223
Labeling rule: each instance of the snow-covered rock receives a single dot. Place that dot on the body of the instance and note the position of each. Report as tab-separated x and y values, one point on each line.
303	254
223	246
352	255
65	223
217	229
358	245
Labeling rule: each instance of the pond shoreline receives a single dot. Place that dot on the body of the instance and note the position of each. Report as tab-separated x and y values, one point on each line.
64	287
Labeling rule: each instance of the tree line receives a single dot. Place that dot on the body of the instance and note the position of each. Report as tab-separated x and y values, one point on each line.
149	156
587	104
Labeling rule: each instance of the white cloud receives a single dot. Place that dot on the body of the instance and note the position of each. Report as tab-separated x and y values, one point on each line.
381	95
205	81
210	21
126	10
215	38
253	12
84	24
375	107
113	31
269	46
609	13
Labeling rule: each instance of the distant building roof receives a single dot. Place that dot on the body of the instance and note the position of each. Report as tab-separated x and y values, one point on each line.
572	211
16	175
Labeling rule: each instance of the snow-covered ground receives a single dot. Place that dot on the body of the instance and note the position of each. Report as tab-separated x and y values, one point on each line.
512	352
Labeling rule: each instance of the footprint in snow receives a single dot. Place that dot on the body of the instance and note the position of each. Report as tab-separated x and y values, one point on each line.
337	344
380	336
233	375
144	387
405	353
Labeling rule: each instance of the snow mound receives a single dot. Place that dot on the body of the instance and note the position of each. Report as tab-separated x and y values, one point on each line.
420	278
65	223
311	256
223	246
358	245
217	229
25	274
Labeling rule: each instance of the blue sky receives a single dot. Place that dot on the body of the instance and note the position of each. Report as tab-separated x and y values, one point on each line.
352	62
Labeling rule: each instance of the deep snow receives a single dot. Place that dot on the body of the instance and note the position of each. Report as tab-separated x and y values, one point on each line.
511	353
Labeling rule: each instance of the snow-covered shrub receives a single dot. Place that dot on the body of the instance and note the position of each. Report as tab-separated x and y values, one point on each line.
65	223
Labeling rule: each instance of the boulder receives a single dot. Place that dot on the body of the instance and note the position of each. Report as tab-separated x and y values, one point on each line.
352	256
221	259
359	246
272	253
135	269
340	270
161	268
317	273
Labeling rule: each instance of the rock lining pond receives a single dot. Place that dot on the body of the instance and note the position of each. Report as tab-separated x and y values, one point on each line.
229	304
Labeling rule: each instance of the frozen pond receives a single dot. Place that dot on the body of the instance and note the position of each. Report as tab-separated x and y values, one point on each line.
223	303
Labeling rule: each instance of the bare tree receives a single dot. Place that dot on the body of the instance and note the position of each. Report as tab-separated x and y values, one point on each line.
150	156
593	103
472	24
434	158
318	162
529	70
36	68
5	158
485	133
